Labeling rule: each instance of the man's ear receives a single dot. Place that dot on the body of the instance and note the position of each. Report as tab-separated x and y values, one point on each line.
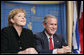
44	25
12	20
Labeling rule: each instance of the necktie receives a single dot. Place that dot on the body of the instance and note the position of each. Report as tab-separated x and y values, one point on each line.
50	44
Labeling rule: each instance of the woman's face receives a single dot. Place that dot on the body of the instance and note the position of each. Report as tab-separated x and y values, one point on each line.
19	19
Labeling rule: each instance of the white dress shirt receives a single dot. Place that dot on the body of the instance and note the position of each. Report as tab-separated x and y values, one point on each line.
54	50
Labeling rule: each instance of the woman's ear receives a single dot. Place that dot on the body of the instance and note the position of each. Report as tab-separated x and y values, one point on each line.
12	20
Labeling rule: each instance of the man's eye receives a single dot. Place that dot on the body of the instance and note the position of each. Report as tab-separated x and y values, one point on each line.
51	24
55	24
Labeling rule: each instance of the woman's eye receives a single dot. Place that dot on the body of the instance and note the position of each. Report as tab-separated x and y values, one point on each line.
24	16
19	16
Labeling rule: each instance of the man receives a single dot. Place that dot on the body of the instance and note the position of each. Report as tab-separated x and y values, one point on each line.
48	41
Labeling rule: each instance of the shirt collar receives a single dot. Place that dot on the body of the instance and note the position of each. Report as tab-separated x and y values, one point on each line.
48	35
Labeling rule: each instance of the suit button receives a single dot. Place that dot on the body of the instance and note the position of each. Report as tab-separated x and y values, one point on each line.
20	47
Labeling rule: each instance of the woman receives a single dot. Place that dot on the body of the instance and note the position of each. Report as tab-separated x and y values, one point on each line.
15	38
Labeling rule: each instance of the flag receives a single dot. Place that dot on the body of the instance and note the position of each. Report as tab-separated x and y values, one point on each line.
75	33
81	27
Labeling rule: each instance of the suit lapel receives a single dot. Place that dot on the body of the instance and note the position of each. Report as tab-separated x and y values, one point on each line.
45	41
55	41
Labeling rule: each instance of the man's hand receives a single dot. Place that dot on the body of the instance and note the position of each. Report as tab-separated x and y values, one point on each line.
64	49
61	50
67	49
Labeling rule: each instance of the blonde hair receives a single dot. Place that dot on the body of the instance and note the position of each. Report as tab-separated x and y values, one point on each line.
13	13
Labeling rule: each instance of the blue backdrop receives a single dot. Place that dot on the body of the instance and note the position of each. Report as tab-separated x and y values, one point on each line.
35	13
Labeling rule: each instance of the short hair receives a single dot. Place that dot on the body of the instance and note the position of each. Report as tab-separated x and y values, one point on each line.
13	13
46	18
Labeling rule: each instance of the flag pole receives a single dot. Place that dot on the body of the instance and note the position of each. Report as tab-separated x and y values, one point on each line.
69	22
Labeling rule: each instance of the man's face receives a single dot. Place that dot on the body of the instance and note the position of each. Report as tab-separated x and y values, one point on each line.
51	26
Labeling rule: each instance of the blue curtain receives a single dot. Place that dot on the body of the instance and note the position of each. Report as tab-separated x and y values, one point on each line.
35	13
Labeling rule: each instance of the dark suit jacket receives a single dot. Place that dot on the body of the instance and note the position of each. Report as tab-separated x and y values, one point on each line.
42	44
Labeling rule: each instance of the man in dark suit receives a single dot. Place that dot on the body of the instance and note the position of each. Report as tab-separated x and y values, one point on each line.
48	41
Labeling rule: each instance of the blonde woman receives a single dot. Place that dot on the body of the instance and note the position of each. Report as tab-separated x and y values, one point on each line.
15	38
